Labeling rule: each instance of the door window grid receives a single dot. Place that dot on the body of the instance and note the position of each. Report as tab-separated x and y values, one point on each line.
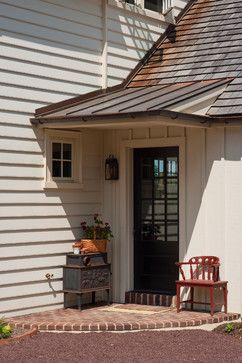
153	226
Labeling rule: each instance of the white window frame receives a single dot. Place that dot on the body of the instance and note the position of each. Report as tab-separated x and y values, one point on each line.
139	8
64	137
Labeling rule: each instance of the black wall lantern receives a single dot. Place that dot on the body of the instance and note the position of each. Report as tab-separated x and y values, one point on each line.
111	168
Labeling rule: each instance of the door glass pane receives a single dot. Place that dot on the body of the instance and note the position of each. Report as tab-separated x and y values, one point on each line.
66	169
159	231
172	188
147	168
146	188
172	209
159	188
172	230
56	168
158	168
172	166
146	209
147	231
67	151
56	150
159	210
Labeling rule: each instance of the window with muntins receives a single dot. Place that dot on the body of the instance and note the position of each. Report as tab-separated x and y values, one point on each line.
63	159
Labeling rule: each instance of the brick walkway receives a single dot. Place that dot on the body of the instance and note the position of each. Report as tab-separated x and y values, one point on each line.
117	317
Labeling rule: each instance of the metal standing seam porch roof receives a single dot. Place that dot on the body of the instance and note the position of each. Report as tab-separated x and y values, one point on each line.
201	53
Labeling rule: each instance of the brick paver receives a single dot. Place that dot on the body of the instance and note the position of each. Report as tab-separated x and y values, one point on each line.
107	319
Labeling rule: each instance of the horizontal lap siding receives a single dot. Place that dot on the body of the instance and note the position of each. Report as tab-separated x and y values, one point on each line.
50	51
130	36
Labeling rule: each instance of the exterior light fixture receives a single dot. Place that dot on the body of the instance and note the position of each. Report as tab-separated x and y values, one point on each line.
111	168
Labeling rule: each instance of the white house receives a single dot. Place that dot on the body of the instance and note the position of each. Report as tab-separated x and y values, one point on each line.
177	117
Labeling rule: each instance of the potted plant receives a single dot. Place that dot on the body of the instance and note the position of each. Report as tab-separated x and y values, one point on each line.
95	235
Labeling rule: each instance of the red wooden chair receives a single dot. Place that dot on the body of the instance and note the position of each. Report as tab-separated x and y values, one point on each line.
203	272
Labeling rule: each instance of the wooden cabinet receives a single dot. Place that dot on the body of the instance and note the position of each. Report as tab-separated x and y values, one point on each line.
85	273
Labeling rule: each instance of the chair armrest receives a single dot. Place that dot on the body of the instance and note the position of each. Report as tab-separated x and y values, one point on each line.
182	263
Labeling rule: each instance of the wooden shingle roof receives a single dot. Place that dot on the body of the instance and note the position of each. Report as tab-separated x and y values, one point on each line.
203	51
206	44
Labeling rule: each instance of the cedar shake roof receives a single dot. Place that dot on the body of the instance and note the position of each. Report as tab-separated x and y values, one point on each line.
200	55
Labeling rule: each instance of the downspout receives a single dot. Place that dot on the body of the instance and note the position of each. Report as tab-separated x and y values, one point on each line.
104	56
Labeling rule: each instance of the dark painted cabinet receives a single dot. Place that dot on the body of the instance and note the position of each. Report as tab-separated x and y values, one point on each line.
84	273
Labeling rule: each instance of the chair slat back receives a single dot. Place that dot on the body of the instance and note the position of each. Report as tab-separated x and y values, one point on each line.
204	267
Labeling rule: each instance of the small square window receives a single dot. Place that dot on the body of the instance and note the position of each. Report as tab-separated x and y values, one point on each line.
63	159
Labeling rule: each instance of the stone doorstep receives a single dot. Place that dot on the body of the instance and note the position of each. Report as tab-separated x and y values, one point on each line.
96	320
143	298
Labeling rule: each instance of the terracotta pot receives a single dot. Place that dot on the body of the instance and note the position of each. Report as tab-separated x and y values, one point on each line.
94	245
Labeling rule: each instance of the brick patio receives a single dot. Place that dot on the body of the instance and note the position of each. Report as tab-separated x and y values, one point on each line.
117	317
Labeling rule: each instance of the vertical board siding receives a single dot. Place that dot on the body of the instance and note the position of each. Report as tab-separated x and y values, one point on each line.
213	204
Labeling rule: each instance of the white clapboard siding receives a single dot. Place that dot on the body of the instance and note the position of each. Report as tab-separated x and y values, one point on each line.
33	262
51	34
37	249
31	94
60	12
21	145
49	197
10	117
129	37
49	48
46	83
48	21
52	50
16	158
35	57
42	210
28	172
91	7
37	185
8	225
38	287
39	236
30	302
11	278
55	73
13	130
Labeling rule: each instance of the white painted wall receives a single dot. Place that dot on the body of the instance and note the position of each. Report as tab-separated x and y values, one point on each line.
212	206
52	50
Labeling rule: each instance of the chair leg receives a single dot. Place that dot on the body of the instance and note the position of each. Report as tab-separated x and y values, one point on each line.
192	297
212	300
225	292
178	298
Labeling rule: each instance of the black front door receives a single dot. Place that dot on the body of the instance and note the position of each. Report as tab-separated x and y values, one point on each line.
156	219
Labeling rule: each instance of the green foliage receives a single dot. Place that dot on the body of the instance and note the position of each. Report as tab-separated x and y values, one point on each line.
96	230
5	329
229	328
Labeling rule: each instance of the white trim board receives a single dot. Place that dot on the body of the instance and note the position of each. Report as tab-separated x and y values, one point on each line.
126	274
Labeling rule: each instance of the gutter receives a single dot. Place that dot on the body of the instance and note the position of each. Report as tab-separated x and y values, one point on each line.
189	119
